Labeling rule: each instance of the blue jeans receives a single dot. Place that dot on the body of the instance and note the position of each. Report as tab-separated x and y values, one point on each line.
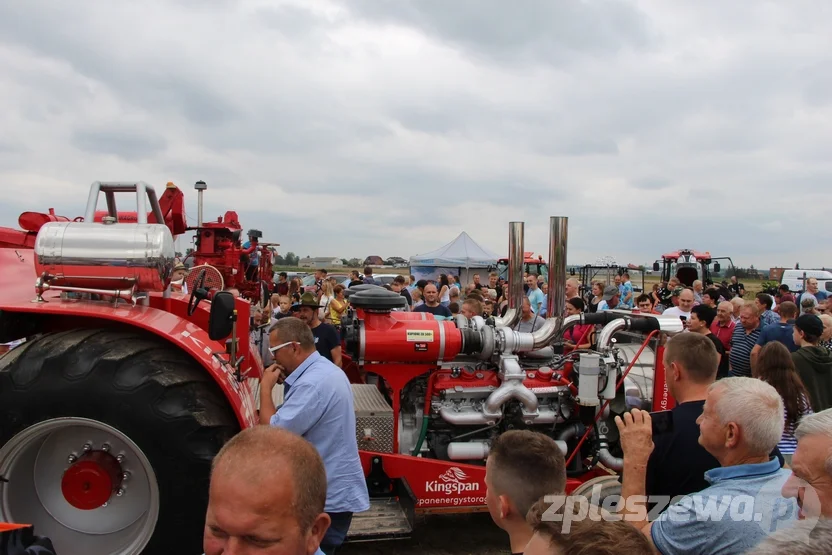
336	533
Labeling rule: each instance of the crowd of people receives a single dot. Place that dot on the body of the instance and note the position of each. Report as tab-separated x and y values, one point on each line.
752	421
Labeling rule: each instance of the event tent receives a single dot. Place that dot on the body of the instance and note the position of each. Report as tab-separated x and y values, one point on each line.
462	257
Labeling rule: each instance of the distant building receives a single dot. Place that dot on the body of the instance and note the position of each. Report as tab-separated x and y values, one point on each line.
776	274
320	262
374	261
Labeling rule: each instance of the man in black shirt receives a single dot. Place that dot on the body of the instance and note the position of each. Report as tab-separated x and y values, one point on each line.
431	303
327	339
678	462
737	289
399	287
355	279
701	317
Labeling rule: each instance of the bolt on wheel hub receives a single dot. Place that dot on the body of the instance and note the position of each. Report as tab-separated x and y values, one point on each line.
91	480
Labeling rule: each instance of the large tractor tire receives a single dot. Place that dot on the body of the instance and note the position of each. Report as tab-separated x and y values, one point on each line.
106	442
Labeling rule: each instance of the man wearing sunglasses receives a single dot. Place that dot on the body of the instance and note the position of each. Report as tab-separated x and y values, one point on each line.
317	405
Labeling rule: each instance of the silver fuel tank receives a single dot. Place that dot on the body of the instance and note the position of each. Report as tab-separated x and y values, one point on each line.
113	256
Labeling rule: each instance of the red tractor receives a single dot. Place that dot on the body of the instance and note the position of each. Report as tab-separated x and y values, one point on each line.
688	266
122	391
531	265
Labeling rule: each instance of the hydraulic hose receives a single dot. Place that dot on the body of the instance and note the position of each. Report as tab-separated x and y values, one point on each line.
422	435
423	432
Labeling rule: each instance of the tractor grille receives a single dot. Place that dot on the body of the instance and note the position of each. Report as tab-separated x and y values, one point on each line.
373	419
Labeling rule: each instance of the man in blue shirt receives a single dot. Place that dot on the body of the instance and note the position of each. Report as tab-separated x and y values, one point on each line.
628	296
740	425
318	405
253	511
250	248
535	295
781	331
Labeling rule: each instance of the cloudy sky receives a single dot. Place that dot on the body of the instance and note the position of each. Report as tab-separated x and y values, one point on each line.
389	126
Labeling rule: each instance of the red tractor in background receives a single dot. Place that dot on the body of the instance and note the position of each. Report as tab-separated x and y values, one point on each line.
531	265
123	391
688	266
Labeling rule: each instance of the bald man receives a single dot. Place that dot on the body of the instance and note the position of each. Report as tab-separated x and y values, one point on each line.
267	496
723	325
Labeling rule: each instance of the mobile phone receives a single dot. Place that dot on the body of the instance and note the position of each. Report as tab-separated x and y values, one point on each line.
662	422
683	318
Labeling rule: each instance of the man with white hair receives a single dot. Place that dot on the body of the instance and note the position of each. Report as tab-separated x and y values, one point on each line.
740	425
804	538
812	466
573	287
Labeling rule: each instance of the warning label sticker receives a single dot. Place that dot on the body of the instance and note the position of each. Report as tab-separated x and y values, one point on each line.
420	335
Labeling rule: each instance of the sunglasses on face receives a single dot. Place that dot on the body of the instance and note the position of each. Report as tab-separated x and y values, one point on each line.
273	350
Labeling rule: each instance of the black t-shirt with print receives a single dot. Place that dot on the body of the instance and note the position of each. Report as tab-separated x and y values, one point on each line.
326	339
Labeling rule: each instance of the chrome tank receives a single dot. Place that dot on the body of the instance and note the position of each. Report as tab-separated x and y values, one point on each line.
106	256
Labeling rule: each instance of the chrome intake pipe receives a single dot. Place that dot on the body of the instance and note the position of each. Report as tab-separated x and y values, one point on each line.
515	275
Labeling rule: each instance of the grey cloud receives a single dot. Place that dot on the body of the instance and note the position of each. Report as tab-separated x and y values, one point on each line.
818	91
651	183
288	20
155	84
537	110
127	144
540	29
590	147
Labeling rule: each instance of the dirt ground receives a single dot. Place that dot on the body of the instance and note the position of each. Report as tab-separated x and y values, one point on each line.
473	534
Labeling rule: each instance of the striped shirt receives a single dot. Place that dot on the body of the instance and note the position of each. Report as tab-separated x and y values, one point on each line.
741	345
788	443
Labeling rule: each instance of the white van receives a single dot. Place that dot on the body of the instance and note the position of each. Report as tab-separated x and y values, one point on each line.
794	279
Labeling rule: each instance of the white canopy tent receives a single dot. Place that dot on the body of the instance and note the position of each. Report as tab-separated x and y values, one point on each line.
463	257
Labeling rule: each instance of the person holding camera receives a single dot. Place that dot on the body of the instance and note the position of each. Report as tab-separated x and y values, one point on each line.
740	424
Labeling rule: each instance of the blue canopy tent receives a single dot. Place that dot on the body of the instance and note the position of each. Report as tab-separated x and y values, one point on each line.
462	257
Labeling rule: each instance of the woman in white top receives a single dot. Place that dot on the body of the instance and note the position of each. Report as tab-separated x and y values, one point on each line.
444	290
327	294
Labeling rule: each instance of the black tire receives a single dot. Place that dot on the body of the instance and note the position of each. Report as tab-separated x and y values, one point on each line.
143	386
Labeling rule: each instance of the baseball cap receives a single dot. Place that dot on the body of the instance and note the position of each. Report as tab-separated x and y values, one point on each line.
809	324
678	290
610	291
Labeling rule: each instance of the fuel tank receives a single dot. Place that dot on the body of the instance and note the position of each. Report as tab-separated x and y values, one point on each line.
106	256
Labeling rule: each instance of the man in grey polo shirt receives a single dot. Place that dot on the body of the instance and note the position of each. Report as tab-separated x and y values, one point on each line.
741	424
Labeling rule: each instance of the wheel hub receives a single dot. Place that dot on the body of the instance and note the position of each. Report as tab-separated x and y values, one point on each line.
85	484
91	480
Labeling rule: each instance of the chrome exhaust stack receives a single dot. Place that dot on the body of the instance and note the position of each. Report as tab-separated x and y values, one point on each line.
556	299
515	275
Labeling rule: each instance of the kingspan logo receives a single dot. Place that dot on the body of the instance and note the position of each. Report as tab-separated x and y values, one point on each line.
453	481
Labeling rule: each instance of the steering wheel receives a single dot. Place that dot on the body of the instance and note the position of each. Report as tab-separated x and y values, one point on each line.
194	300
